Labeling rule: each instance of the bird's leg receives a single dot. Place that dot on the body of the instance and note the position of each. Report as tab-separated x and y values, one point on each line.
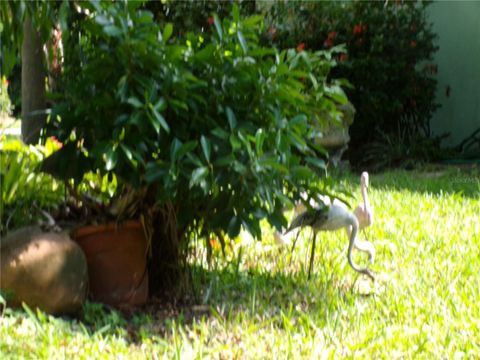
293	247
312	254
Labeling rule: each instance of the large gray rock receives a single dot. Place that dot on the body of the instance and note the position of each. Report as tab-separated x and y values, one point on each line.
43	269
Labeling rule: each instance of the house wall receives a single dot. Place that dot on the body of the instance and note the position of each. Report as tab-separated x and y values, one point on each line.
457	24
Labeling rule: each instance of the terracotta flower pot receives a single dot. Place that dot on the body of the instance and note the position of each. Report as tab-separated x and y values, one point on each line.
116	258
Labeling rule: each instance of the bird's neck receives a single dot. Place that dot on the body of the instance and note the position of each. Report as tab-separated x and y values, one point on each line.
352	229
366	203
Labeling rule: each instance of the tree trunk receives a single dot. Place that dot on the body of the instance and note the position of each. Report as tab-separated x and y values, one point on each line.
33	84
167	265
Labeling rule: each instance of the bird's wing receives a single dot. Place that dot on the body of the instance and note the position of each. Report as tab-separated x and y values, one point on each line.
321	217
338	216
310	217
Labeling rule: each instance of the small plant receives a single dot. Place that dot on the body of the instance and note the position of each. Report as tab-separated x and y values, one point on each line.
23	189
5	103
402	150
213	130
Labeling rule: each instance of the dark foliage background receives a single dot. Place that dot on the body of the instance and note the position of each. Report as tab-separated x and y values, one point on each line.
390	47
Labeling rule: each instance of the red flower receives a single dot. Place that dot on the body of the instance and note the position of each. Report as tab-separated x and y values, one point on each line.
301	47
56	142
214	243
413	44
210	20
330	37
343	57
358	29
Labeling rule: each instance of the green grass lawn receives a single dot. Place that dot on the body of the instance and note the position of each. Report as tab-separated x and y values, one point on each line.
424	304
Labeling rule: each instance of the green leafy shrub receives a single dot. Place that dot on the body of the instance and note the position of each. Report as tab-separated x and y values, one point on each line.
388	60
218	127
196	15
23	189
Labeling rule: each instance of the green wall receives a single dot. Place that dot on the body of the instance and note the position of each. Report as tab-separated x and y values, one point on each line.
457	24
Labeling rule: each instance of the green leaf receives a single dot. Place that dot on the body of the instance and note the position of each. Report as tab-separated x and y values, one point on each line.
298	141
63	16
259	139
306	58
112	30
205	147
276	221
261	52
198	175
233	227
336	93
161	105
239	167
122	88
154	172
282	69
179	150
158	120
314	81
302	172
300	119
253	227
220	133
273	164
235	13
178	104
232	120
174	149
100	19
194	159
144	17
243	42
167	32
127	151
252	21
235	142
111	158
224	160
319	163
134	102
205	53
218	26
187	148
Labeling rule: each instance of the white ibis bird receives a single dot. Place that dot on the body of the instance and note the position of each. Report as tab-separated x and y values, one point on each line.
328	218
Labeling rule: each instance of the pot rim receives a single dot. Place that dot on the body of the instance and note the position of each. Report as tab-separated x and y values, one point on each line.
87	230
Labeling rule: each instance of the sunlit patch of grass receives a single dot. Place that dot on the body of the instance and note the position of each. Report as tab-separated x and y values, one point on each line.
424	303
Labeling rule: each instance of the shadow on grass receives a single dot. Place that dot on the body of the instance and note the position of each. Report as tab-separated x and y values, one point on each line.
261	290
223	294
